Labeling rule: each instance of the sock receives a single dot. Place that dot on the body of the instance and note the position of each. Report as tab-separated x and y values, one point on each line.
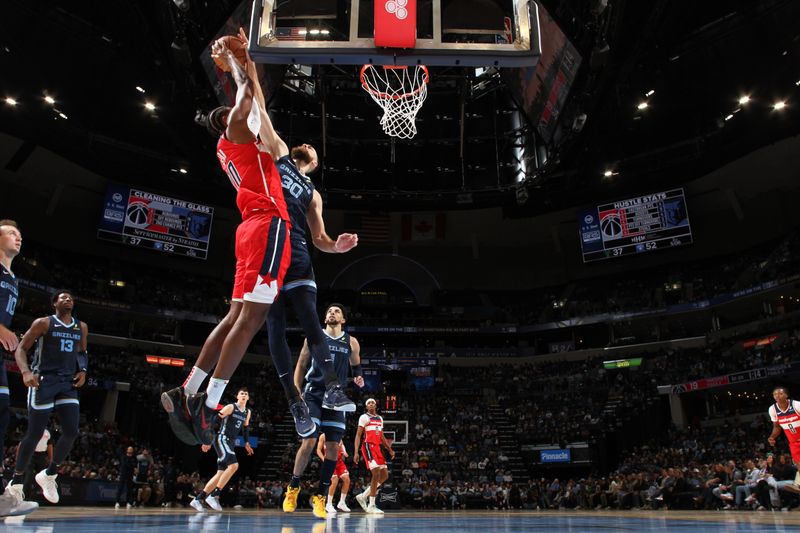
18	478
329	500
325	473
215	493
214	391
372	501
343	498
367	492
194	380
201	495
52	469
295	482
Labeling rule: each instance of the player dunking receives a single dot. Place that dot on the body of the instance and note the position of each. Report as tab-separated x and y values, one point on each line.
785	414
10	244
346	354
58	370
235	420
370	425
340	473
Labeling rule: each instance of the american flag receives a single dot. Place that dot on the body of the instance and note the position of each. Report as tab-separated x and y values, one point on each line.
372	228
290	34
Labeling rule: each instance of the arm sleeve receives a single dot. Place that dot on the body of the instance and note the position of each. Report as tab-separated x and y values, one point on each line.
83	361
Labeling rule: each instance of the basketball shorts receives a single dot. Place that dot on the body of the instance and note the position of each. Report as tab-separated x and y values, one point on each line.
3	376
341	469
53	391
794	448
225	454
300	271
329	422
373	455
263	255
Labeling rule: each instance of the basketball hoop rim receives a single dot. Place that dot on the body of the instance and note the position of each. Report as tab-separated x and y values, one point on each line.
385	96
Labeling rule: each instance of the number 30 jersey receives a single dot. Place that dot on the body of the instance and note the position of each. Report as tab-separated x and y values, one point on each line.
789	419
57	353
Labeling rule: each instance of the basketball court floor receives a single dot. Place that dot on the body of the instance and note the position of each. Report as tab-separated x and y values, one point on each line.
91	519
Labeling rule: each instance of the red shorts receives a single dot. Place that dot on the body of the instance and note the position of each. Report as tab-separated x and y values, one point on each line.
341	469
263	254
373	455
794	448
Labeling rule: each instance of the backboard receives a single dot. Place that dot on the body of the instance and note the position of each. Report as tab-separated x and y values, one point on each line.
478	33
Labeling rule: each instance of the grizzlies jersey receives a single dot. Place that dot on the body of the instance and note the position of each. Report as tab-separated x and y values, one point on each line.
232	425
298	190
340	352
9	293
57	353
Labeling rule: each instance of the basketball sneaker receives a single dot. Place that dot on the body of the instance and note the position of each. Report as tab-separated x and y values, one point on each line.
10	505
336	399
203	418
342	506
290	500
49	485
174	403
330	509
213	502
318	506
362	501
303	424
373	509
198	505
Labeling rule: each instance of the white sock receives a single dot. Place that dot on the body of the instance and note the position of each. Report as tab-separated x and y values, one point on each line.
367	492
194	380
330	499
372	500
343	498
215	389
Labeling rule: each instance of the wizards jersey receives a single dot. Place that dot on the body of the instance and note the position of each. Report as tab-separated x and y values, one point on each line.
373	428
58	349
789	419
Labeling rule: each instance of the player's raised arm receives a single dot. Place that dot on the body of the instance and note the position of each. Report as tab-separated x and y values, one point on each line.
37	329
355	362
237	130
316	225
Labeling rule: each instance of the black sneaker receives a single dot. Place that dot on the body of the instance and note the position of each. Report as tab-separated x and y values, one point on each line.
336	399
174	403
203	418
302	419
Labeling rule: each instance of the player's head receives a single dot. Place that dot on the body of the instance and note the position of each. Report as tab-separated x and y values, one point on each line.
10	238
217	120
780	394
306	156
62	301
243	395
335	314
372	406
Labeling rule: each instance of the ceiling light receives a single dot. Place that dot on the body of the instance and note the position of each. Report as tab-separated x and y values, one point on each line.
11	101
62	115
729	117
797	82
302	32
641	106
325	32
314	32
183	171
650	93
777	106
149	106
608	173
49	99
140	89
744	99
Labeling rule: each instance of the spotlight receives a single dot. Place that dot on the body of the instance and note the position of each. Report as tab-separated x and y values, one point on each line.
777	106
62	115
138	88
183	170
10	101
642	106
49	99
728	117
650	93
149	106
744	99
608	173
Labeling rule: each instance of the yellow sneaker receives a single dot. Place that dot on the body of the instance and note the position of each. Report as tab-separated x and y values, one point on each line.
290	500
318	506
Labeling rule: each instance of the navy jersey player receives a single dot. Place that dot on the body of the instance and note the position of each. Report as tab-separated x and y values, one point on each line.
346	355
57	371
10	244
235	421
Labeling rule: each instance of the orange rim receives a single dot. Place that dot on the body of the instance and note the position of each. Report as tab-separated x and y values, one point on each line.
385	96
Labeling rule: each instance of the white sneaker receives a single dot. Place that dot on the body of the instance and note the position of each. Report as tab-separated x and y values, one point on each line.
373	509
362	501
16	490
198	505
49	485
128	506
213	502
330	509
342	506
11	506
116	506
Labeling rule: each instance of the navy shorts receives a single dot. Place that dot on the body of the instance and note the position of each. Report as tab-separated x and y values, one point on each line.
329	422
3	376
301	271
225	454
53	391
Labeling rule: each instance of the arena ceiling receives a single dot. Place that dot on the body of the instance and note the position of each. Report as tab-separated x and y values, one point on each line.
94	59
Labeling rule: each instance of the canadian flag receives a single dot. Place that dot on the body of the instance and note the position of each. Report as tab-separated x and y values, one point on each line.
423	226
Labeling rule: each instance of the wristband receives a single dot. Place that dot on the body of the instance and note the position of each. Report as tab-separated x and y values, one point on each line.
357	372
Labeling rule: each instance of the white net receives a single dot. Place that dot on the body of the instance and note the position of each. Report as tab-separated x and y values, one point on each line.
400	91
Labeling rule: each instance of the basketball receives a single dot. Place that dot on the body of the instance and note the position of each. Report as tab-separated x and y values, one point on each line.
236	45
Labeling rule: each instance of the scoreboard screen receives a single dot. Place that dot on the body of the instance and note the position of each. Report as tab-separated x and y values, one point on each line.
156	222
627	227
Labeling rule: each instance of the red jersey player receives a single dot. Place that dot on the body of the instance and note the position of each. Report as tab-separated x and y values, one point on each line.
785	414
370	425
340	472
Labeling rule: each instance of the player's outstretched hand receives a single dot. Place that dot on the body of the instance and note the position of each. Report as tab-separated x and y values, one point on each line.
359	381
79	380
8	339
220	50
346	242
248	448
30	379
205	447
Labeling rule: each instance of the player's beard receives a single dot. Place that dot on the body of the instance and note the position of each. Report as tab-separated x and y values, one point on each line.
301	155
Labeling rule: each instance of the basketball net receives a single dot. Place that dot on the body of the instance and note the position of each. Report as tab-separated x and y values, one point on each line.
400	91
